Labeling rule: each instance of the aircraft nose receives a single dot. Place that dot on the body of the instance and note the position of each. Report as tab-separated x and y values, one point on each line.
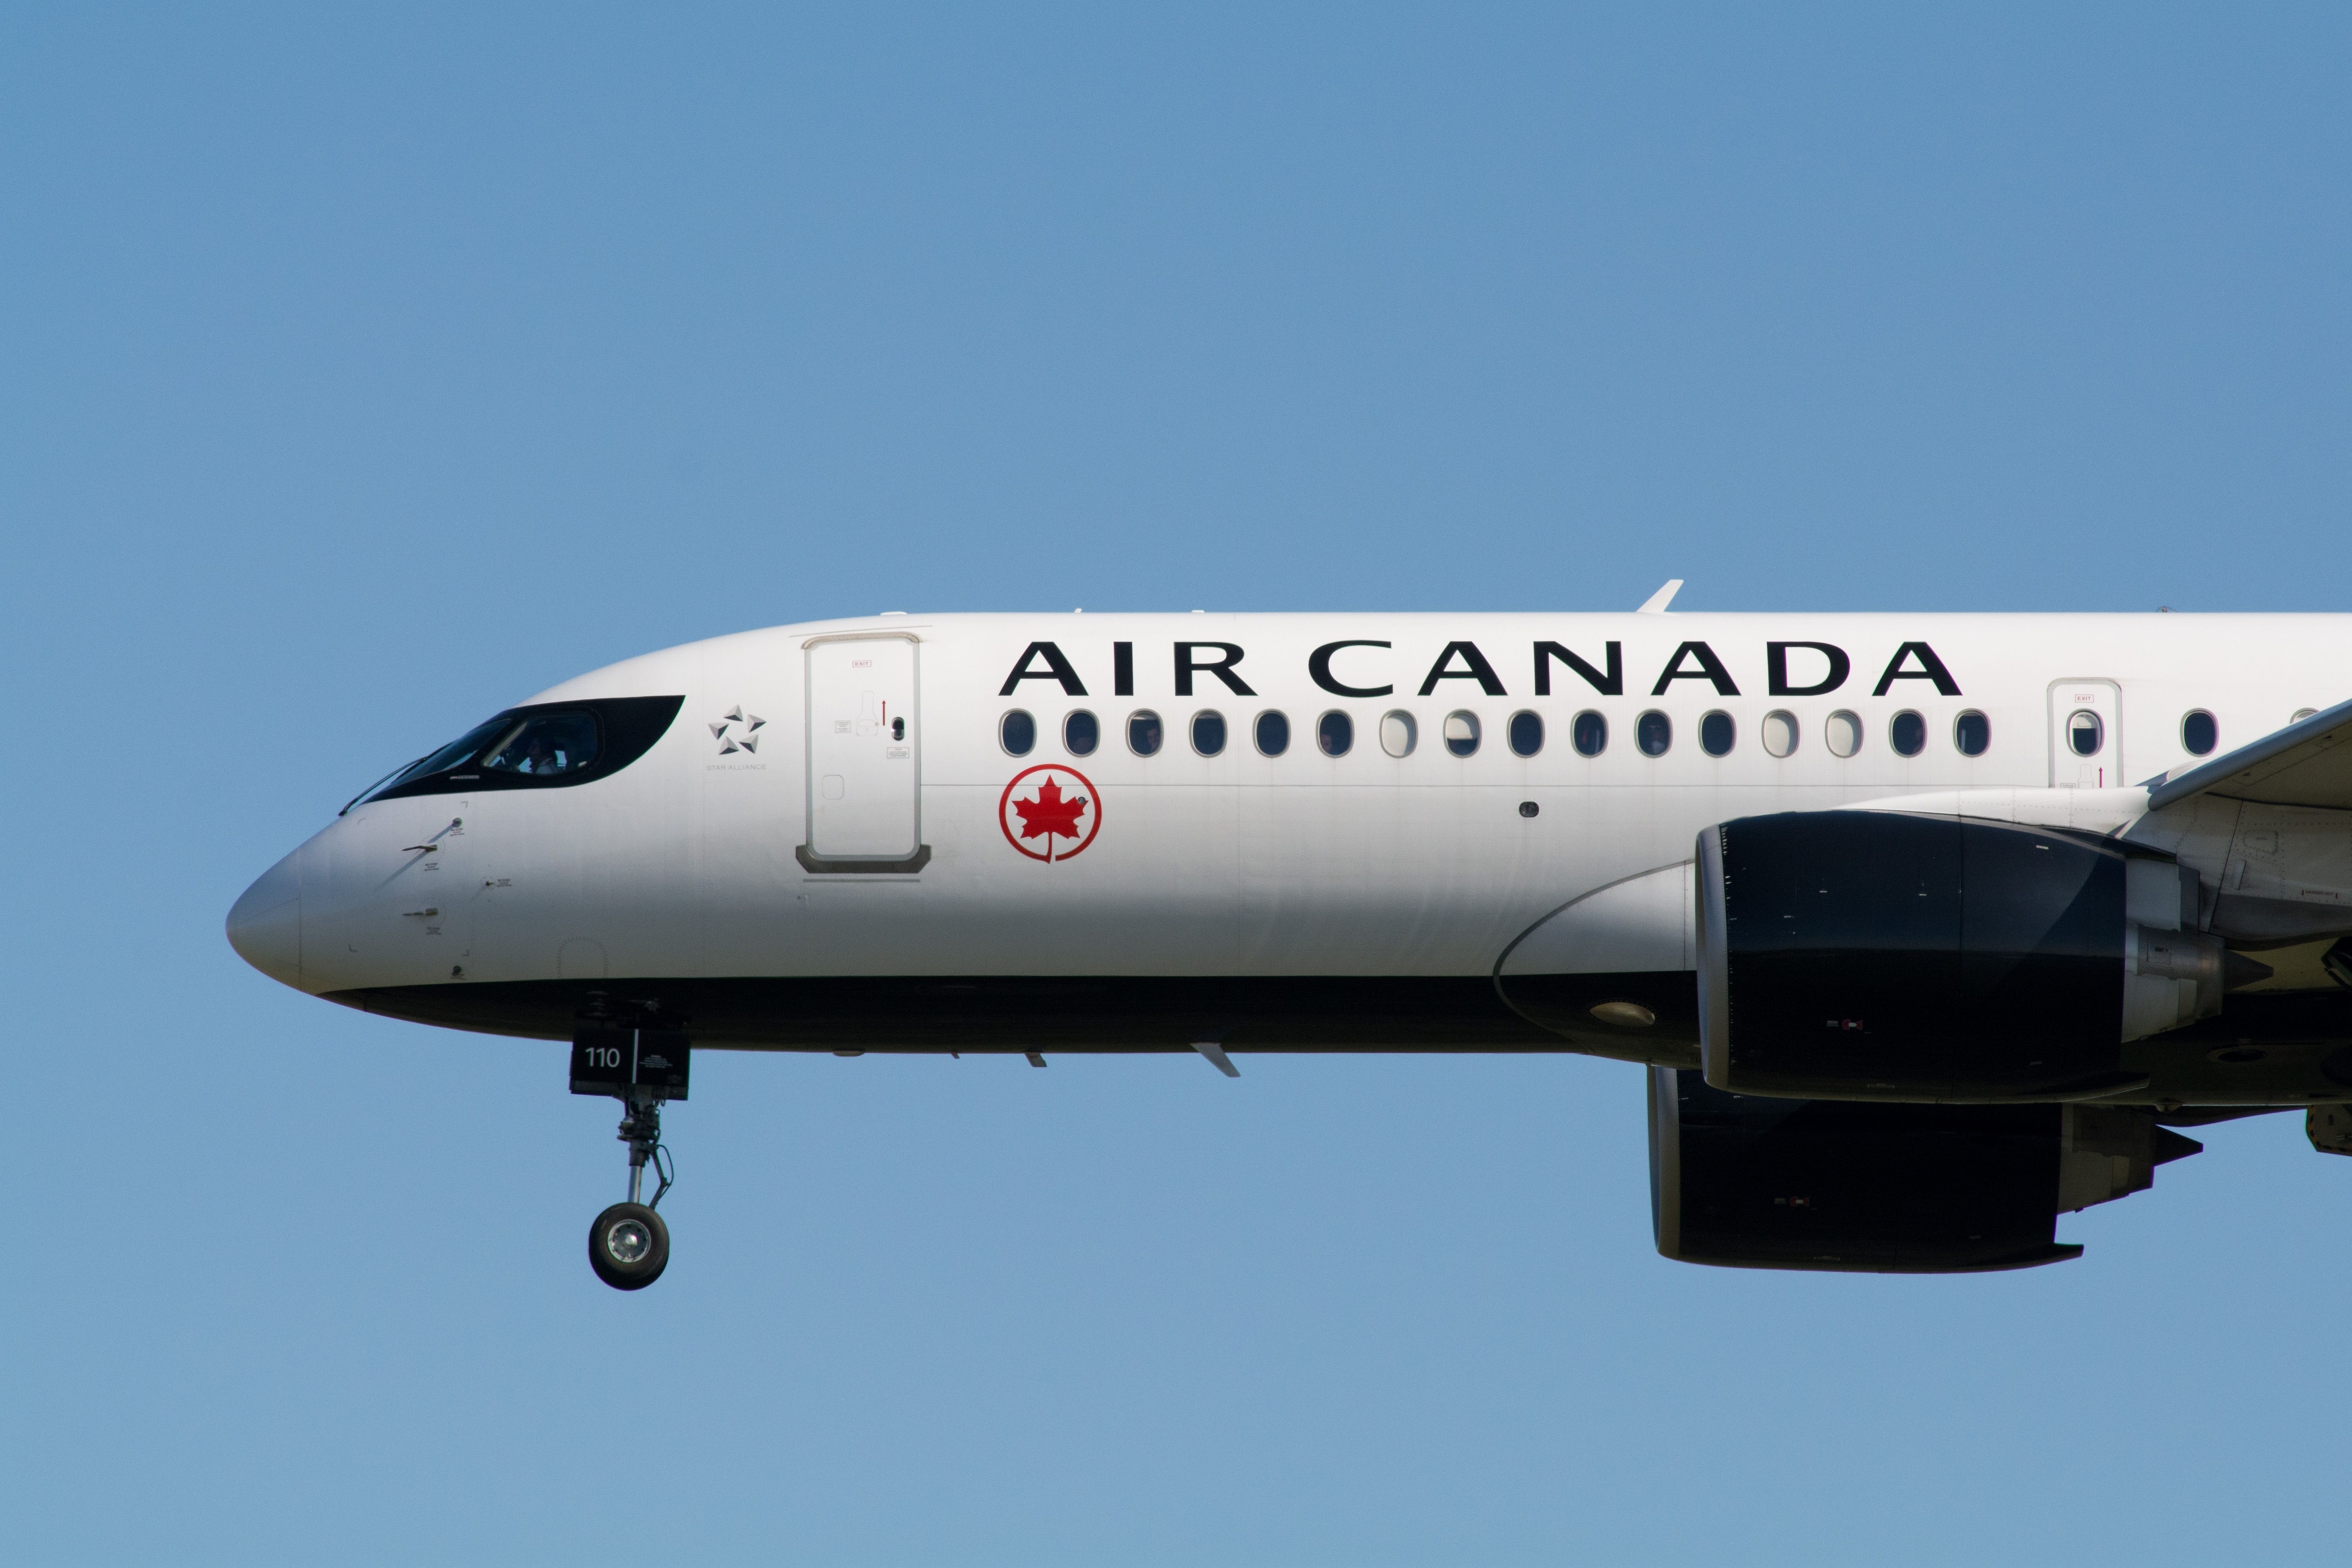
264	925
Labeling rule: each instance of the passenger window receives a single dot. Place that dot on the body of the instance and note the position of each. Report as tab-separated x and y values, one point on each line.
545	746
1273	734
1907	735
1399	733
1716	734
1842	734
1462	733
2084	732
1653	733
1335	732
1208	732
2200	734
1143	733
1017	732
1526	734
1081	733
1780	733
1590	734
1973	733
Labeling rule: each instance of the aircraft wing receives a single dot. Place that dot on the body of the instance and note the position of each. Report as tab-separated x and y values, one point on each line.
2307	764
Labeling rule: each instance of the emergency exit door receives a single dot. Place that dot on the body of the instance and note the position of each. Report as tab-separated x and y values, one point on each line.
865	754
2086	747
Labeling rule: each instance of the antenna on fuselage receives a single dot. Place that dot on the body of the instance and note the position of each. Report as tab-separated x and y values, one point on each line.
1655	604
1217	1057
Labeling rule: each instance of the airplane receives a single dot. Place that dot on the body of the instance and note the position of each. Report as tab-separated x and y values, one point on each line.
1927	929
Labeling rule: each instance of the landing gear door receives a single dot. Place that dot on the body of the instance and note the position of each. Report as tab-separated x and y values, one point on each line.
2086	747
864	756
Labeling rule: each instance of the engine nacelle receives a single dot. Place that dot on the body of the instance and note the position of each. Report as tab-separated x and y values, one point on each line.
1752	1183
1875	956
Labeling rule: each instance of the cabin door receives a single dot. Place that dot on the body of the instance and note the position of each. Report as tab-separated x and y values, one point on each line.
865	755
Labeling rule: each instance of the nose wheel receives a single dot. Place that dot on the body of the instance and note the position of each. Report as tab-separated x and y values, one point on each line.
628	1246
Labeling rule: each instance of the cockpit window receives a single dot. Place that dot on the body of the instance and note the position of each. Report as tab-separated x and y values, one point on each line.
544	745
530	748
464	749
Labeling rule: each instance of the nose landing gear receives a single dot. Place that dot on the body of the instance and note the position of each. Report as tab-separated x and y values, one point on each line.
628	1246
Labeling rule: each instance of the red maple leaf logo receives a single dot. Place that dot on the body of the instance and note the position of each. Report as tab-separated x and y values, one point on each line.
1050	813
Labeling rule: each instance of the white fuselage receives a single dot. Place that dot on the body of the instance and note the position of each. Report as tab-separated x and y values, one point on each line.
839	845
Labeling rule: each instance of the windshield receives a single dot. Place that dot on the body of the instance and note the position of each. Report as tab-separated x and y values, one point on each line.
545	744
536	748
448	756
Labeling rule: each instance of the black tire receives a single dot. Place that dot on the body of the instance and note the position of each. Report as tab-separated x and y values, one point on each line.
628	1246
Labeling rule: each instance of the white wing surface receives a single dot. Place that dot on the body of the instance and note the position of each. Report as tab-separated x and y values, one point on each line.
2307	764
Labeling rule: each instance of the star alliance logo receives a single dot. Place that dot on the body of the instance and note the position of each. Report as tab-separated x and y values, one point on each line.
745	727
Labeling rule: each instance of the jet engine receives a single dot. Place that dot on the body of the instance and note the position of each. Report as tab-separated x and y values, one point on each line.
1753	1183
1874	955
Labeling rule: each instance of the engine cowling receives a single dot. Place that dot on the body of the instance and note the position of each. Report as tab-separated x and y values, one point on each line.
1754	1182
1862	954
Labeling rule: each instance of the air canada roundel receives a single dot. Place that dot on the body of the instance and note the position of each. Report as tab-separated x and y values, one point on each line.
1049	812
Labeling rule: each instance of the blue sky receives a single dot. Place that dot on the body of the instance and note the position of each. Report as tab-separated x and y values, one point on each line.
364	373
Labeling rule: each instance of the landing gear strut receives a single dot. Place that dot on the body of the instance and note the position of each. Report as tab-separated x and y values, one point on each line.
628	1246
